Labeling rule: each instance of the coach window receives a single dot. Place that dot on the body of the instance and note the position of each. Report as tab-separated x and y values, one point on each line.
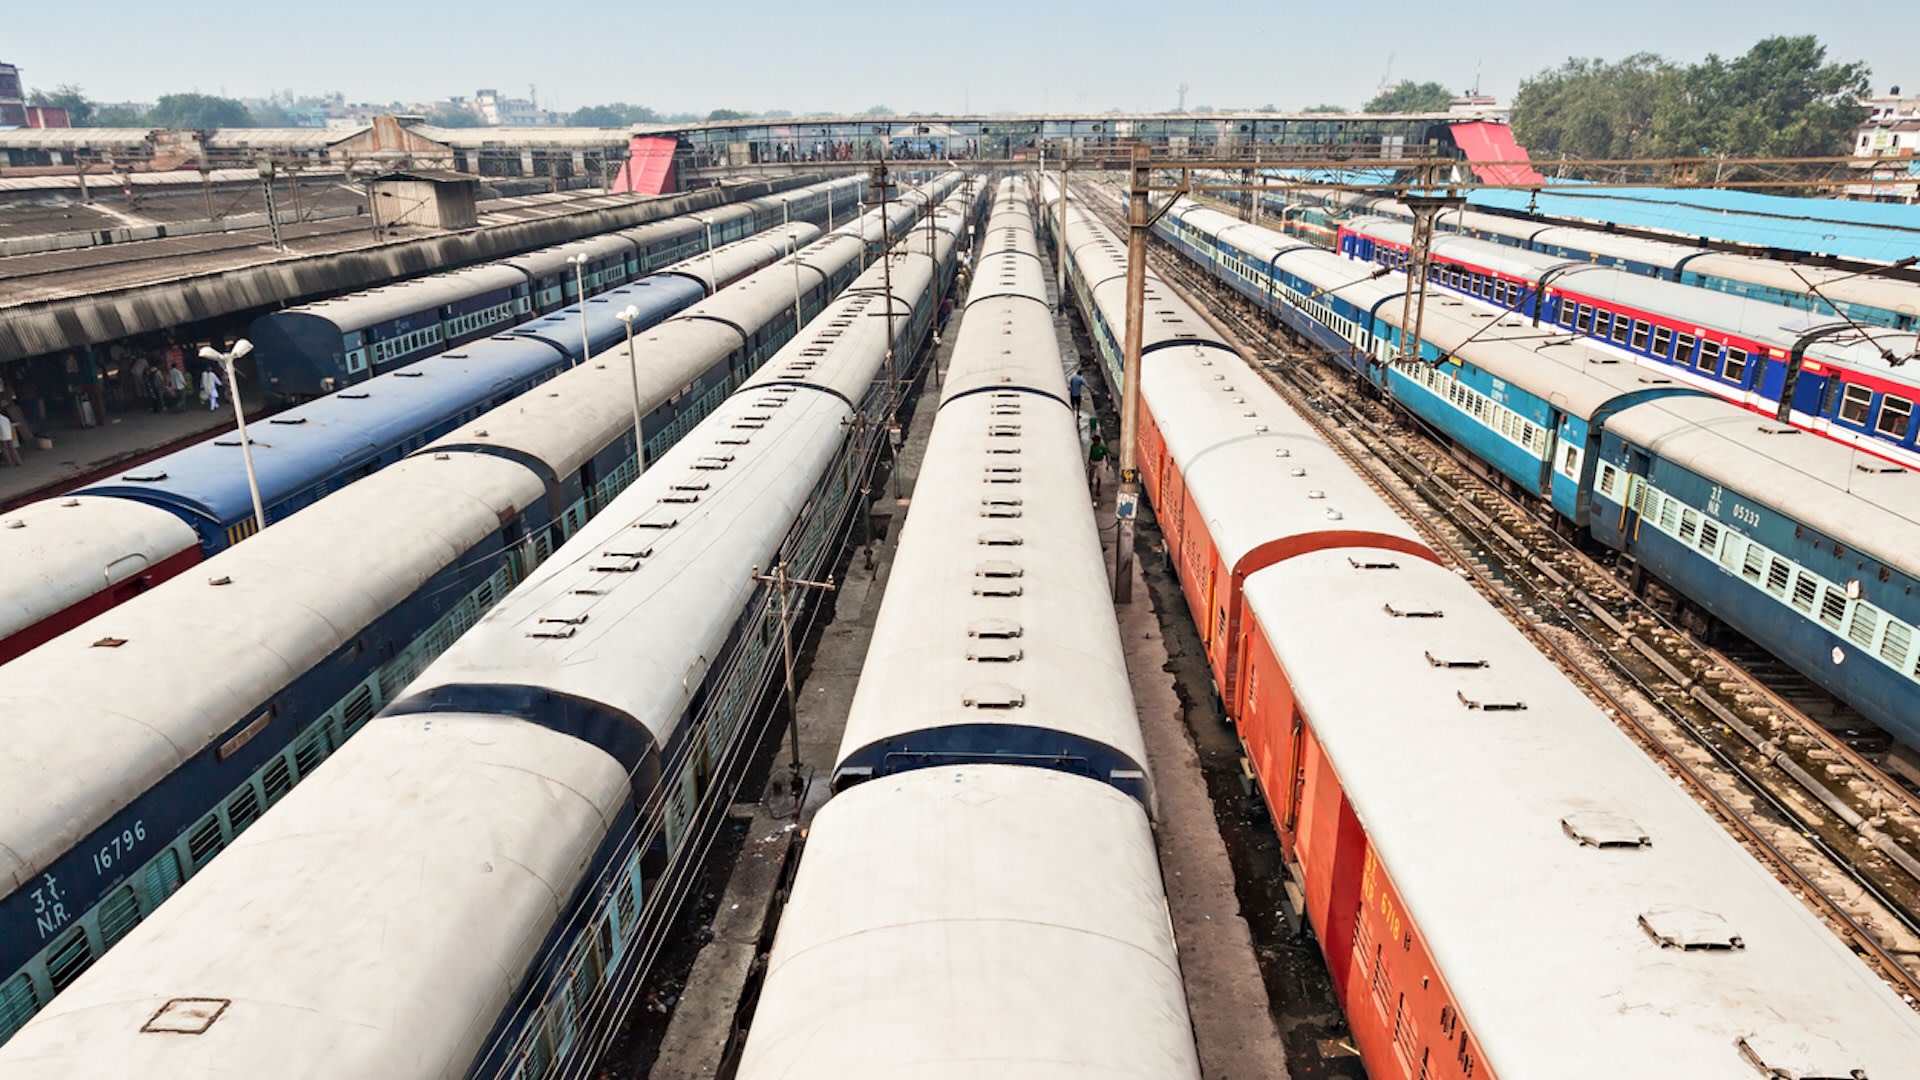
1662	341
1736	365
1855	402
1585	321
1709	361
1639	336
1620	327
1566	313
1683	350
1895	413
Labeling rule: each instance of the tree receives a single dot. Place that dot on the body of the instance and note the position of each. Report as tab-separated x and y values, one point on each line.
879	110
1325	109
726	114
119	116
197	111
1411	97
618	114
1593	109
1781	99
453	118
66	96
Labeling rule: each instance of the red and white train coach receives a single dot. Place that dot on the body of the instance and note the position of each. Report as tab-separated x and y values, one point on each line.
1502	883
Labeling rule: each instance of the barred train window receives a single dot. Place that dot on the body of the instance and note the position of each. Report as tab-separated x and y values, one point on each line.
1736	367
1855	401
1662	341
1895	414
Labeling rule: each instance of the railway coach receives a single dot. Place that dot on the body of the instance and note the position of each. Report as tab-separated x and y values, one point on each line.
1535	413
1843	380
1394	722
1806	285
64	560
302	454
982	897
204	701
476	882
316	348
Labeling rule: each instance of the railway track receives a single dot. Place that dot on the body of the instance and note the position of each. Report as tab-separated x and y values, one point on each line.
1840	839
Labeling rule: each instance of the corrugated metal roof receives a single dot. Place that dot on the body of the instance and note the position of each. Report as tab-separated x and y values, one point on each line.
1877	232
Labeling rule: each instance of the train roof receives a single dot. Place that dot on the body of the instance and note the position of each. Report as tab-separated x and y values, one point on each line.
1566	956
660	575
971	921
997	592
332	935
57	552
656	295
1864	502
86	727
553	260
328	436
356	311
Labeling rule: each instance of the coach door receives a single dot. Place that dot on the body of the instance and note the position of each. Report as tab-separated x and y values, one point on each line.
1638	465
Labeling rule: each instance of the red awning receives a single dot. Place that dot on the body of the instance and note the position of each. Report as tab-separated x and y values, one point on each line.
1483	141
649	167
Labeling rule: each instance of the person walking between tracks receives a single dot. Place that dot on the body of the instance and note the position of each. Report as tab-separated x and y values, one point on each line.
1077	386
1097	463
210	387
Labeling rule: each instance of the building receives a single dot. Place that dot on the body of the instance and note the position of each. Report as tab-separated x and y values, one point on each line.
500	111
1887	147
13	100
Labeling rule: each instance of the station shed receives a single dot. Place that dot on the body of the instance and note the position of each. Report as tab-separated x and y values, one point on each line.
435	198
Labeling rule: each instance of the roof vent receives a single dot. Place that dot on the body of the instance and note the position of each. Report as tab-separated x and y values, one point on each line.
998	568
996	654
13	523
1372	564
1802	1055
1776	429
1604	829
1001	539
993	696
1490	706
1413	611
1447	662
994	628
145	477
1690	929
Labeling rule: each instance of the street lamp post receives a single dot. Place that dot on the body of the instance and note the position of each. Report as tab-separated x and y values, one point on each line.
225	360
626	315
580	286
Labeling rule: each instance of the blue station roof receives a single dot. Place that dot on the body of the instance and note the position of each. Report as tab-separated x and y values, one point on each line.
1873	232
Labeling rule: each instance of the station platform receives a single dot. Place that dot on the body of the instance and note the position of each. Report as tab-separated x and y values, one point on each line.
82	454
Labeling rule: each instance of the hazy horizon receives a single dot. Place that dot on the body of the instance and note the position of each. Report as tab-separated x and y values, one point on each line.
755	56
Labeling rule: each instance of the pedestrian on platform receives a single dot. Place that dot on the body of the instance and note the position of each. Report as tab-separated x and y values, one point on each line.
176	388
210	388
1077	387
9	441
156	388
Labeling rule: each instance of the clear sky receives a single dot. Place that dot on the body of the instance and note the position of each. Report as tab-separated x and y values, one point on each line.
976	55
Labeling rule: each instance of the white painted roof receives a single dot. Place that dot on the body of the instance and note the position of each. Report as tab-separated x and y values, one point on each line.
85	729
1256	470
336	942
974	921
57	552
1000	541
687	536
1537	936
